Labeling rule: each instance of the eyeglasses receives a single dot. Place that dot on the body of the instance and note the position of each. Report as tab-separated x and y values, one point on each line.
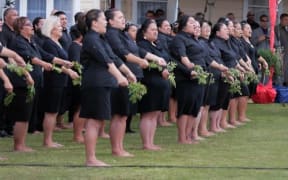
28	24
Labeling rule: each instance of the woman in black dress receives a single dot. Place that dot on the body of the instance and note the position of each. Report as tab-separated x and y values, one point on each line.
218	68
100	75
156	100
136	59
54	82
19	111
74	52
252	53
185	49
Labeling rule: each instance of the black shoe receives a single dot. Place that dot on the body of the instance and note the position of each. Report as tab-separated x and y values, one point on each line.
3	134
129	131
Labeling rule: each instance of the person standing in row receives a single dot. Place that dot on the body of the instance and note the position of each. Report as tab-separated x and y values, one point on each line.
54	82
100	75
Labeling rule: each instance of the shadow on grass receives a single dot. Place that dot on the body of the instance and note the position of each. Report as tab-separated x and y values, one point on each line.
147	166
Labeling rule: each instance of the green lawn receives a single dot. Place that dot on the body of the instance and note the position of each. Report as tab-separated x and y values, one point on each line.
258	150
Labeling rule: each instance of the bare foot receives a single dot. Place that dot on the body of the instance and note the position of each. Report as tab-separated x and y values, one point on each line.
221	130
23	149
96	163
172	120
122	154
198	138
152	148
36	132
165	124
53	145
79	140
3	158
104	135
206	133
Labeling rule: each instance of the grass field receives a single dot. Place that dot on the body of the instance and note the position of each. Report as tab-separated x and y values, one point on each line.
258	150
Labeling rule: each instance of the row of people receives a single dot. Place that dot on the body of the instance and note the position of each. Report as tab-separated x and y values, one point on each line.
111	59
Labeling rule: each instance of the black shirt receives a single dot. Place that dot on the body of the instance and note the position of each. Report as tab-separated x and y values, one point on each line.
95	56
74	52
252	53
39	38
165	40
29	50
122	45
185	45
237	46
8	36
52	78
65	40
228	55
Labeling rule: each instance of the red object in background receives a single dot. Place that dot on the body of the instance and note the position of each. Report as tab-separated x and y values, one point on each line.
273	15
265	93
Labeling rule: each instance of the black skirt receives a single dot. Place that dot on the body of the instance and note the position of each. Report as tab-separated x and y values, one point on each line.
120	101
19	110
244	91
211	93
157	97
223	97
190	97
53	99
95	103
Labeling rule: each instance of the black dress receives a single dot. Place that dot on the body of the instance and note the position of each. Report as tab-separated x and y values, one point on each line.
96	81
54	83
189	93
122	45
158	89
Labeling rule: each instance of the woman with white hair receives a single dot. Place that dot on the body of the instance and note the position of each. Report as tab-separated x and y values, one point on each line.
54	82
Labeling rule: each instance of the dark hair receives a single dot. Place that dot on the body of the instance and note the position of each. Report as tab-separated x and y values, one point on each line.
143	29
150	11
78	15
19	24
160	21
216	27
128	25
36	22
224	20
75	32
283	15
243	23
174	27
85	22
110	13
230	14
159	12
7	11
58	13
263	16
183	22
205	21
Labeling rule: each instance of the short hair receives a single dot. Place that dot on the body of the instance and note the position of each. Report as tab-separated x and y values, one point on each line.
283	15
78	15
48	25
58	13
19	23
36	22
263	16
8	10
76	33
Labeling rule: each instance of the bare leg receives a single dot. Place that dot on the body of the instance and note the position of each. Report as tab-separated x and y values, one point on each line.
215	117
242	107
223	120
182	125
48	127
203	131
20	132
154	116
78	126
91	134
117	132
102	132
232	111
172	110
161	119
147	128
195	135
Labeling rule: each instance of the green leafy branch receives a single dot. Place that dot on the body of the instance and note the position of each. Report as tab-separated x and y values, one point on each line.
56	69
136	91
234	85
202	75
9	98
20	71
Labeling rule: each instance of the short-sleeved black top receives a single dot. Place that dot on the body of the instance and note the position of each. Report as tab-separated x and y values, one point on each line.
228	55
95	56
29	50
122	45
65	40
52	78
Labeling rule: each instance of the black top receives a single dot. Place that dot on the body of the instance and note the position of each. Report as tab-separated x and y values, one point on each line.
29	50
185	45
156	49
122	45
1	47
252	53
74	52
214	53
228	55
39	38
165	40
8	35
237	46
52	78
71	29
65	40
95	56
